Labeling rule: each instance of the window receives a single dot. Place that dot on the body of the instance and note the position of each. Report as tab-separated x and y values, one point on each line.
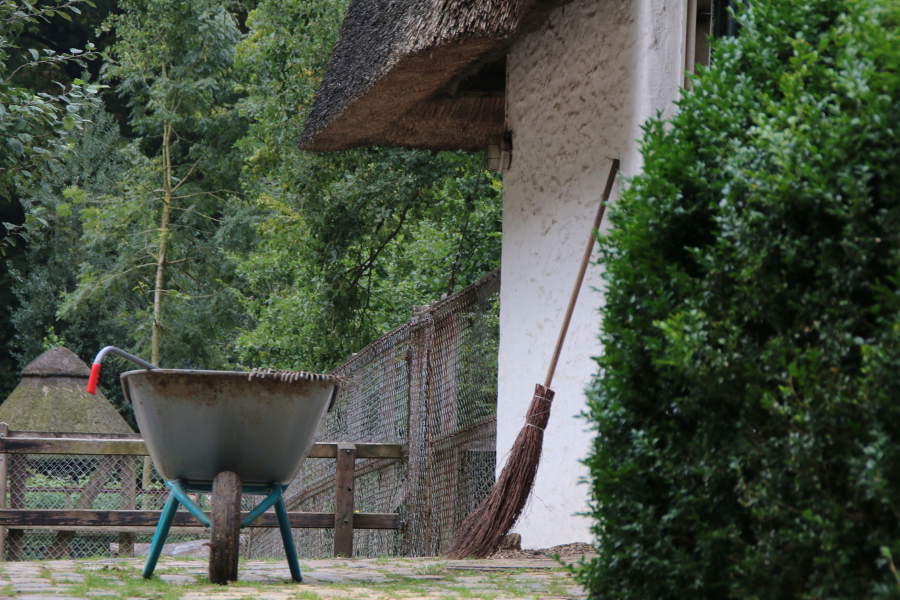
705	19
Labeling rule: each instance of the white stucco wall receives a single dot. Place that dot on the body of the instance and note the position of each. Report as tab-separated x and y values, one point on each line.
578	90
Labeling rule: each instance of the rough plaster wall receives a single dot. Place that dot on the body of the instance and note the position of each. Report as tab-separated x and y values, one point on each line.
578	90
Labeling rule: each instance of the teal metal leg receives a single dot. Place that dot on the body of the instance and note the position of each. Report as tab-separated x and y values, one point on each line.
178	495
273	497
159	537
290	551
177	490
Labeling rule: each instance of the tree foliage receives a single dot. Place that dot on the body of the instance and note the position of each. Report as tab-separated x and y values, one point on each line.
348	259
748	430
41	117
349	241
152	235
48	267
35	123
189	203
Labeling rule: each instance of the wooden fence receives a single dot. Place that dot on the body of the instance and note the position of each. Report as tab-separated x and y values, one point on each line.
128	522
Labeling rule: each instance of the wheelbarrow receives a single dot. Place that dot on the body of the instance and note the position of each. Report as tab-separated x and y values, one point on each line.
224	433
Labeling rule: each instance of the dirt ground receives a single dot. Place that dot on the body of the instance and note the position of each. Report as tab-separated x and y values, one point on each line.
567	552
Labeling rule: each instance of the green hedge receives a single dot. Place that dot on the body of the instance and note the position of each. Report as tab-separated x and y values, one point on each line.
747	405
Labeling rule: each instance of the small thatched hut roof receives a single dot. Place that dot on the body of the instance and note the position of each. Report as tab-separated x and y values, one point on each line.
51	397
419	73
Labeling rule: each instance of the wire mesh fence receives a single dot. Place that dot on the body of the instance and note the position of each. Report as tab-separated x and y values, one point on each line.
68	482
429	384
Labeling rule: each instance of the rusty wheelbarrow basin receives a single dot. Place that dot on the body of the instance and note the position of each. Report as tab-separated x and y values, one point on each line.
197	424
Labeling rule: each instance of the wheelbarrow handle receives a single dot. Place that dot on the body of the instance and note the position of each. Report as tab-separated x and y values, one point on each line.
95	368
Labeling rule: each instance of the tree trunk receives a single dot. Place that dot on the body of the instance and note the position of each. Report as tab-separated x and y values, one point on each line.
164	233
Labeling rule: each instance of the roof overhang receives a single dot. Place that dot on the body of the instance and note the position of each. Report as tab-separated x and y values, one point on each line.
419	73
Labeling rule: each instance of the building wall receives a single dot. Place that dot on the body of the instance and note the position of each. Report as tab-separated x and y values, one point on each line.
578	90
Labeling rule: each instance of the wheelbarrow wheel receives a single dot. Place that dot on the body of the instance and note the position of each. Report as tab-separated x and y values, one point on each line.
226	528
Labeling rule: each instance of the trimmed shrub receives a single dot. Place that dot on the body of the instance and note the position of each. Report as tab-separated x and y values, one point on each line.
747	405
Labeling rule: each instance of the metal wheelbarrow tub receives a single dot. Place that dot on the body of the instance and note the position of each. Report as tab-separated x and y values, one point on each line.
230	433
197	424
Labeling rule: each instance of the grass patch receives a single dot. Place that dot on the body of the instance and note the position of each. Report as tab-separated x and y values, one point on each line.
506	583
121	585
559	587
438	568
464	593
387	560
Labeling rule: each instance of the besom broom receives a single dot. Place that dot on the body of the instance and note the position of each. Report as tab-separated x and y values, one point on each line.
481	532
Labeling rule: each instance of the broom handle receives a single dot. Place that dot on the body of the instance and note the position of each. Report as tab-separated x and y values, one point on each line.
610	179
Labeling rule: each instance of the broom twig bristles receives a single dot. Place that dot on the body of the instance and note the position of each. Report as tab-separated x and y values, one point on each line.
480	534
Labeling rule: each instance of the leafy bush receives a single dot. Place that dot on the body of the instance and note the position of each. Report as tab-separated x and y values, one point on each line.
748	403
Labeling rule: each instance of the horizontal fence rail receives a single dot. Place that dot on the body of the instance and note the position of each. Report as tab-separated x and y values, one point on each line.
52	517
344	520
34	443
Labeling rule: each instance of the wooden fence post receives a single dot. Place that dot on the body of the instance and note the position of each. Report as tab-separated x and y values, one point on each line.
416	494
17	466
4	474
343	501
127	501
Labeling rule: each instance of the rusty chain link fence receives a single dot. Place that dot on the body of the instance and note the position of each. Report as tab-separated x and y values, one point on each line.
430	384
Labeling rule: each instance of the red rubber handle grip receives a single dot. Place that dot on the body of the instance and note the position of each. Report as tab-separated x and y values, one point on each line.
93	379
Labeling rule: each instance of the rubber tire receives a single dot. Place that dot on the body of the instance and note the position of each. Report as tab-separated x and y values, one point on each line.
226	528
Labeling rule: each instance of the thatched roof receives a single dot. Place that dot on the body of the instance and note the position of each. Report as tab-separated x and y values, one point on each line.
419	73
57	362
51	397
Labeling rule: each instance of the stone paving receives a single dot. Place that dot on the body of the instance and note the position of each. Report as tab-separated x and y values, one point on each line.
331	579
